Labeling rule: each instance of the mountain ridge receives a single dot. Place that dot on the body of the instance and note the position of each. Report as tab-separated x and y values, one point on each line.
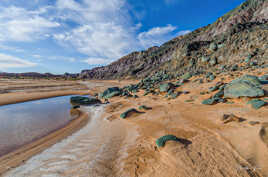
243	30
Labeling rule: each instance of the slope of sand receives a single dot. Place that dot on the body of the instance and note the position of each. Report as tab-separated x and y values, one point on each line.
112	147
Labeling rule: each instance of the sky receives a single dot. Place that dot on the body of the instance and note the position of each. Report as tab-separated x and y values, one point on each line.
59	36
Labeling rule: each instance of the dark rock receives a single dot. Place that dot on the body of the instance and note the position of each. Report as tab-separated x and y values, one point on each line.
212	77
128	113
213	46
209	101
226	118
205	59
213	61
143	107
253	122
76	107
110	92
160	142
186	76
166	87
79	100
257	103
245	86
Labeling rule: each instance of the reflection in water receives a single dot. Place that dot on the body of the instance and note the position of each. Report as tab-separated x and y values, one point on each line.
24	122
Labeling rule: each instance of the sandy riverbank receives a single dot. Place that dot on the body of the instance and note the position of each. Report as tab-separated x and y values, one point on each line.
112	147
22	154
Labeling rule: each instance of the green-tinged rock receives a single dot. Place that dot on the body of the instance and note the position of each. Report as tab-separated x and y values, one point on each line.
188	101
212	89
213	46
209	101
165	87
128	112
257	103
174	95
212	77
186	76
79	100
213	61
205	59
143	107
263	79
245	86
219	94
146	93
76	107
160	142
203	93
249	78
110	92
234	68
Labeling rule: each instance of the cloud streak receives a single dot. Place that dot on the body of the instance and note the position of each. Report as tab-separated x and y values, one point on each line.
103	30
8	61
156	36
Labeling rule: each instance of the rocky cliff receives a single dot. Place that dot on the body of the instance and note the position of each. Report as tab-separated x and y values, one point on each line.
236	41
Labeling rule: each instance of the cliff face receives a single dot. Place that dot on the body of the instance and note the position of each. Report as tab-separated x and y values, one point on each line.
237	37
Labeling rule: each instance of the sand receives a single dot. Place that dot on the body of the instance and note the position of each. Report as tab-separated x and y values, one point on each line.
112	147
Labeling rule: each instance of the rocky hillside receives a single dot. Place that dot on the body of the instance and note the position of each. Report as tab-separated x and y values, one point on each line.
236	41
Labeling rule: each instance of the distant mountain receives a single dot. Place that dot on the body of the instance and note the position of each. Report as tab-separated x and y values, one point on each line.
28	75
237	40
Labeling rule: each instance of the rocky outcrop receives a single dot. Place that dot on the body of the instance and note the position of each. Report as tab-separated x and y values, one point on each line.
246	86
236	41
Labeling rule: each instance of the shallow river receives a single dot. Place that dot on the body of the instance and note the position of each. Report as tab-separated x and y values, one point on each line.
25	122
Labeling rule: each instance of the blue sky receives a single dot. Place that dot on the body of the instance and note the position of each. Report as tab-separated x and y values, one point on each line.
60	36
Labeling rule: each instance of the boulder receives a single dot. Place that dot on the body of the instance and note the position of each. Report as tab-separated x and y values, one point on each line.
209	101
213	46
213	61
128	113
205	59
79	100
186	76
110	92
160	142
257	103
245	86
166	87
226	118
143	107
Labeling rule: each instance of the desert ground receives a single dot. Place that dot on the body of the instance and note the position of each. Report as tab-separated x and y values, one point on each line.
108	146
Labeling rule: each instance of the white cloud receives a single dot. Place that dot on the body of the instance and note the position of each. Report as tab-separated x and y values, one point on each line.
103	31
96	61
8	61
18	24
181	33
156	36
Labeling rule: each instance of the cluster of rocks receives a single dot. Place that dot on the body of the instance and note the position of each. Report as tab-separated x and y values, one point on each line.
155	85
245	86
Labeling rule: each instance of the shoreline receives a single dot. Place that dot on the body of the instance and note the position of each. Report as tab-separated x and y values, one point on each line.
20	155
13	98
